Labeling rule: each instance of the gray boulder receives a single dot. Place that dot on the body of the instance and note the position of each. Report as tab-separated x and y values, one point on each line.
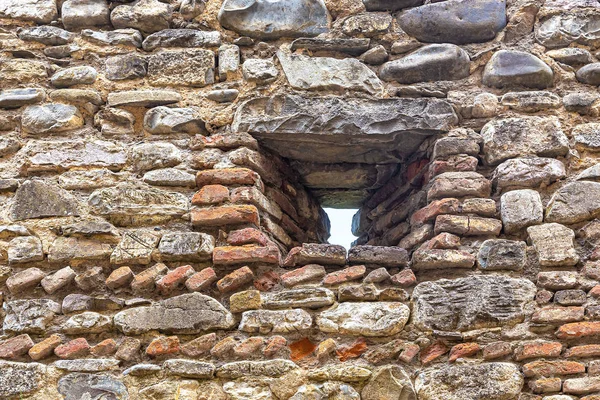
50	118
83	75
36	199
455	21
78	14
272	19
15	98
589	74
574	202
528	172
502	254
436	62
509	68
165	120
48	35
29	316
126	37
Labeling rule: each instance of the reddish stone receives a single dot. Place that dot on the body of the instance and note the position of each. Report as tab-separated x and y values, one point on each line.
119	277
15	346
224	347
549	368
443	241
589	350
538	349
543	296
201	280
211	194
432	352
404	278
247	236
26	279
76	348
595	291
163	346
248	347
45	348
409	353
301	349
307	273
105	348
414	169
578	330
199	346
146	280
129	349
231	255
235	280
496	350
267	281
225	215
463	350
174	278
274	345
435	208
230	176
456	163
353	350
345	275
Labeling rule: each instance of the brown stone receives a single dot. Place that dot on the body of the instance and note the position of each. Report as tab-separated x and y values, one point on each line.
231	176
579	330
211	194
105	348
201	280
119	277
248	347
311	253
25	280
311	272
404	278
549	368
129	349
163	346
76	348
496	350
538	349
267	281
352	350
433	352
45	348
301	349
589	350
199	346
465	225
146	280
235	280
546	385
223	347
247	236
274	345
435	208
225	215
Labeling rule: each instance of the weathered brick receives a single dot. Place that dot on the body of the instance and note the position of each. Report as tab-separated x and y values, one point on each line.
201	280
163	346
537	349
25	280
311	272
435	208
120	277
230	176
146	280
584	385
248	347
549	368
76	348
587	350
496	350
558	315
174	278
433	352
231	255
45	348
105	348
435	259
463	350
15	346
199	346
225	215
235	280
244	236
404	278
467	226
211	194
577	330
345	275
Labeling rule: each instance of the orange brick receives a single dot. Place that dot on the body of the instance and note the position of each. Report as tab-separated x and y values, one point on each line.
589	350
549	368
225	215
463	350
235	280
230	176
578	330
210	194
538	349
163	346
433	352
231	255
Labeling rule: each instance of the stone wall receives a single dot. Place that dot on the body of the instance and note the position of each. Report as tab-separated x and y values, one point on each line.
163	164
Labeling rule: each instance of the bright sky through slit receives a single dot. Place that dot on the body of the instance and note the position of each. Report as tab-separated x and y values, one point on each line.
341	226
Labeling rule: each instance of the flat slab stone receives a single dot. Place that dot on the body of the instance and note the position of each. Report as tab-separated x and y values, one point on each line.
574	202
272	19
339	130
181	38
325	73
266	321
29	316
469	21
143	98
87	365
381	255
77	386
17	379
436	62
166	120
310	297
240	369
354	46
528	172
471	303
15	98
486	381
36	199
189	368
509	68
186	314
364	319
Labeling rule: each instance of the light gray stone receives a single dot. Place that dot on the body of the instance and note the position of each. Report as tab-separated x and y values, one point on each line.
223	95
143	98
571	56
135	247
296	298
574	202
554	244
229	61
146	15
259	71
24	249
587	136
78	386
345	372
18	379
508	68
29	316
502	254
325	73
531	102
265	321
486	381
387	383
83	75
50	118
326	390
528	172
87	322
240	369
590	174
589	74
181	38
364	319
520	209
272	19
379	255
167	120
125	37
189	368
41	11
15	98
48	35
561	30
170	177
76	14
36	199
354	46
517	137
474	302
86	365
185	314
455	21
153	155
194	67
186	246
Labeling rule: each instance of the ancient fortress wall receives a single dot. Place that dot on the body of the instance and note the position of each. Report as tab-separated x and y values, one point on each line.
163	164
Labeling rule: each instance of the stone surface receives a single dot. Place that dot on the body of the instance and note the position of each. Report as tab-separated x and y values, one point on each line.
50	118
502	254
574	202
471	303
528	172
186	67
76	386
508	68
77	14
554	244
188	313
167	120
19	379
264	321
520	209
29	316
41	11
366	319
436	62
563	29
15	98
146	15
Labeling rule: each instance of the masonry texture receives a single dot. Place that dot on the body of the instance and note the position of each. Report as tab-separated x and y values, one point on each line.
164	164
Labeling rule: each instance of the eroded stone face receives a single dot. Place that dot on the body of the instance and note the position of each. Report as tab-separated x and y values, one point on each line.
77	386
19	379
29	316
470	303
364	319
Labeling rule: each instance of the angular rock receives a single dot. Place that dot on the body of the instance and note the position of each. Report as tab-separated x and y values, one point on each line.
502	254
36	199
86	365
40	11
240	369
48	35
76	386
435	62
325	73
181	38
15	98
129	66
574	202
509	68
29	316
265	321
16	346
136	247
185	314
87	322
531	102
18	379
25	249
146	15
561	30
587	136
492	381
296	298
354	46
186	246
26	279
273	19
528	172
77	14
229	61
311	253
459	184
517	137
58	280
389	382
471	303
169	177
554	244
259	71
126	37
520	209
166	120
189	369
469	21
50	118
364	319
185	67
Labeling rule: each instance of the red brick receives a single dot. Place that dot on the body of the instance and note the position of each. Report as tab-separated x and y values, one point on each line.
433	352
248	347
267	281
578	330
45	348
589	350
247	236
225	215
199	346
307	273
105	348
444	241
230	176
496	350
345	275
274	345
463	350
163	346
201	280
231	255
119	277
353	350
76	348
549	368
404	278
435	208
235	280
146	280
409	353
15	346
538	349
211	194
174	278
